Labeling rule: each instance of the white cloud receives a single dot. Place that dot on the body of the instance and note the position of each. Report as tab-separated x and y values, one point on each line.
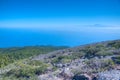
58	25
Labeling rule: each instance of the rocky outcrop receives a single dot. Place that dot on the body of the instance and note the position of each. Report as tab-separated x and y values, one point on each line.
109	75
89	62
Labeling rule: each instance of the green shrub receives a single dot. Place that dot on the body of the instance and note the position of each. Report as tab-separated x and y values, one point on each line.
62	59
116	59
104	53
28	70
115	44
10	55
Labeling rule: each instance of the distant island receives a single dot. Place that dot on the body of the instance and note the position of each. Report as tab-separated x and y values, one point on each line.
97	61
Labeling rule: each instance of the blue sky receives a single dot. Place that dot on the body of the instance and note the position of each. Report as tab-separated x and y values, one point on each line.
58	22
59	12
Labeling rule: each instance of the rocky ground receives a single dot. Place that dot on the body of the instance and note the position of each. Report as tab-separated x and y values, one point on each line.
70	71
99	61
109	75
101	67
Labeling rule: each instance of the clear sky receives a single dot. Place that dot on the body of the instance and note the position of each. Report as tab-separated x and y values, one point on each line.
58	22
59	12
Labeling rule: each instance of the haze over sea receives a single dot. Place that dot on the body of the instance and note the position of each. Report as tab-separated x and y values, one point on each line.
15	37
58	22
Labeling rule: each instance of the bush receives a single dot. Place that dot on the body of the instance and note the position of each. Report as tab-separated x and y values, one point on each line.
62	59
28	70
116	59
104	53
115	44
10	55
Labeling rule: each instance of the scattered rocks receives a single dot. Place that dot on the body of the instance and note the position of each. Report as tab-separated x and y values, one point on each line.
109	75
64	71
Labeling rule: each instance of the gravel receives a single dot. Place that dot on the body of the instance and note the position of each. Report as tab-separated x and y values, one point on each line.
109	75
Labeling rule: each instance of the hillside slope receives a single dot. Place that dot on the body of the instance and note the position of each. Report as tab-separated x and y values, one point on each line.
98	61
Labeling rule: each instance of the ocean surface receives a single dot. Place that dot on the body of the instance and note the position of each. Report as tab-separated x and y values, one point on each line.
10	37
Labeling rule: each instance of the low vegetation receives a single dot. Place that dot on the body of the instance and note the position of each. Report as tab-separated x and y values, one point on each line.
10	55
92	58
27	69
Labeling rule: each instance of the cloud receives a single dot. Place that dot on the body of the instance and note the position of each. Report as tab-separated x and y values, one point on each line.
59	25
